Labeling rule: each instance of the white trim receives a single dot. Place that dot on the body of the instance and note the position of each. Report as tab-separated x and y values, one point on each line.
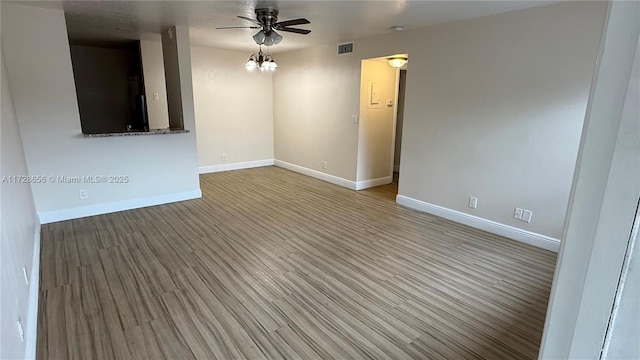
527	237
316	174
622	282
105	208
235	166
365	184
32	308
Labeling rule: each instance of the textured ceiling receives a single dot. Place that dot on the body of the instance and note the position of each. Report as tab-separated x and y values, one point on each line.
331	21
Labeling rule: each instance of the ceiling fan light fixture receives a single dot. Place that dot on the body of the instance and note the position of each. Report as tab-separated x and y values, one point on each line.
275	36
264	66
397	61
251	64
261	61
259	37
268	41
270	64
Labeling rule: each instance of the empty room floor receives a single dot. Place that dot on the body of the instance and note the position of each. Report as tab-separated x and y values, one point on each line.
273	264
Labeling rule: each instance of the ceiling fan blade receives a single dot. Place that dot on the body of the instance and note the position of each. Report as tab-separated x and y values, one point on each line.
295	30
250	19
293	22
238	27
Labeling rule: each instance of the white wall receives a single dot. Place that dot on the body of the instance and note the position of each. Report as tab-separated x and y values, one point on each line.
154	82
19	223
604	199
376	135
494	108
625	328
160	168
233	107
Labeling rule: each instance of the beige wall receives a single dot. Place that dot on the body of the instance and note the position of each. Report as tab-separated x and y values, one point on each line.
160	168
315	95
497	112
154	82
18	223
494	108
233	107
376	135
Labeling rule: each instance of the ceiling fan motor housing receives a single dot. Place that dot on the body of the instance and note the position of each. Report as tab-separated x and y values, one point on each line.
268	17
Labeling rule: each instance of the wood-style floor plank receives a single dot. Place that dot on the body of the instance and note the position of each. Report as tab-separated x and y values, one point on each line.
270	264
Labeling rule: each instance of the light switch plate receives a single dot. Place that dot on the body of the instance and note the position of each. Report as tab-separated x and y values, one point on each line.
518	214
374	96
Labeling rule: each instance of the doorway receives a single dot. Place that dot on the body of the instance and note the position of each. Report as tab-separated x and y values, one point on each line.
402	82
382	88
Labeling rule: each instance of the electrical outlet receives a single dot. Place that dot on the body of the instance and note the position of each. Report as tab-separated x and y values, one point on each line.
354	119
20	329
473	202
26	277
518	214
156	96
224	157
324	164
526	215
84	194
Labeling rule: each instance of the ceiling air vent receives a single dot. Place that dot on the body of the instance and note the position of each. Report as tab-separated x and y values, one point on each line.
345	48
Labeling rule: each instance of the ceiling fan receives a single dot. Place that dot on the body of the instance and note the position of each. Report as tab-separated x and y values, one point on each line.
267	20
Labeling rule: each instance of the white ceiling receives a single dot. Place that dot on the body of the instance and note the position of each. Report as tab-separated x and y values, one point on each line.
331	21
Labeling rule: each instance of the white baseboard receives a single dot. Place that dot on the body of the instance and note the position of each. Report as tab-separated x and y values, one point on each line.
34	291
365	184
235	166
316	174
527	237
105	208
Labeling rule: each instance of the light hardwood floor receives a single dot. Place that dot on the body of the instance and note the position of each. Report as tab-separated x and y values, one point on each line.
273	264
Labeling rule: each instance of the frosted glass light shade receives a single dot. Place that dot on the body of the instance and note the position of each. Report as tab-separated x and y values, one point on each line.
397	62
276	37
259	37
251	65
